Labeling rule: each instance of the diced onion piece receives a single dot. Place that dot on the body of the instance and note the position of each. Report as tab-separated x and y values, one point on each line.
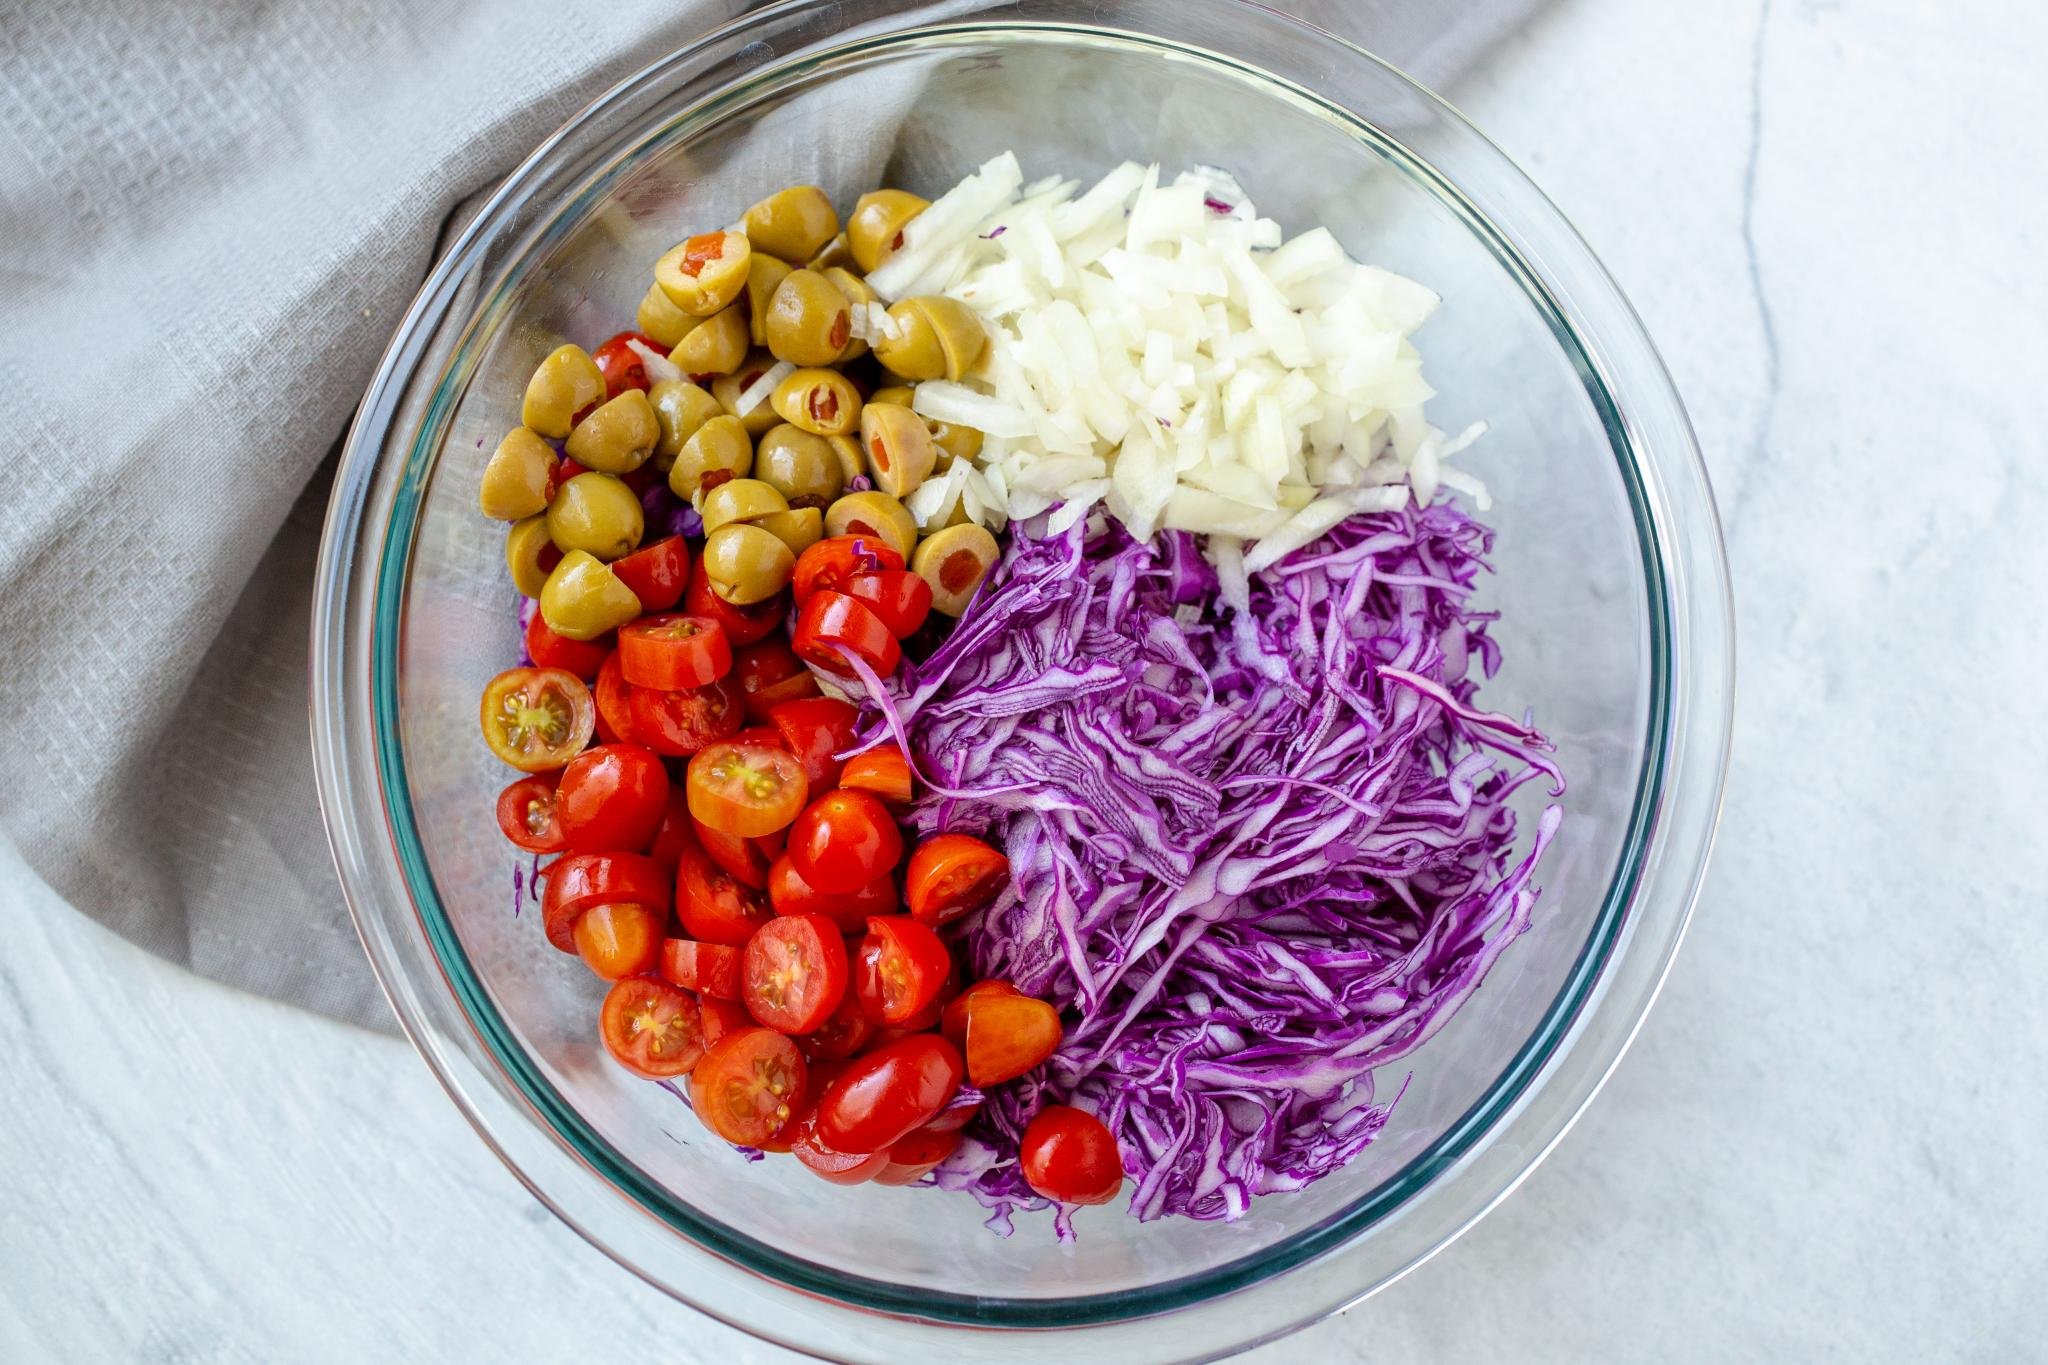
756	393
660	369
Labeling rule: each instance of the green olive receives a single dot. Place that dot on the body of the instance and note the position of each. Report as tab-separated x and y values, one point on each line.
659	317
833	253
873	514
954	442
822	402
954	561
563	384
809	322
764	274
529	554
876	228
794	224
847	451
597	514
681	407
802	467
727	389
719	449
856	292
936	338
799	528
516	480
739	500
583	598
892	393
618	437
745	564
898	447
717	345
704	273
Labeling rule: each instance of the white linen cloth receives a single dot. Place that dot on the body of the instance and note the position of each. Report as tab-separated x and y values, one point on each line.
212	216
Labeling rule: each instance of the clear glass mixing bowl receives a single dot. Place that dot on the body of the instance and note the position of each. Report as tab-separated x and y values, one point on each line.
1615	626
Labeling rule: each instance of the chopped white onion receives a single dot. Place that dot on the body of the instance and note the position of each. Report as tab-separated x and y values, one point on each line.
756	393
660	369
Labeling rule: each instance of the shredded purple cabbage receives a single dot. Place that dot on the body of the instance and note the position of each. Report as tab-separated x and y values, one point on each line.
1256	855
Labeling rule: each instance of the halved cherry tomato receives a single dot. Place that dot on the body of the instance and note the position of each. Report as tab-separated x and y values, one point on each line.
814	730
954	1023
746	861
903	967
832	621
795	972
747	1085
743	625
841	1035
612	797
844	840
883	771
565	470
887	1092
761	734
817	1075
1002	1034
790	894
526	814
549	650
619	941
746	789
710	969
676	831
841	1168
579	881
951	875
651	1028
952	1118
623	367
656	573
536	719
680	723
770	673
712	906
1068	1155
901	598
614	696
830	563
672	651
915	1155
722	1017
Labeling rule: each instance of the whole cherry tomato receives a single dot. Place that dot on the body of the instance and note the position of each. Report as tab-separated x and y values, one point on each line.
611	797
526	814
656	573
832	621
829	564
883	771
549	650
951	875
1069	1156
903	967
623	367
746	790
747	1084
885	1093
651	1028
795	972
815	729
673	651
536	719
578	881
619	941
844	840
712	906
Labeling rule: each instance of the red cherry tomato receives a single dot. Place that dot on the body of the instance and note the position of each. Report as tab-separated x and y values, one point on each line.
830	563
795	972
579	881
565	470
841	1168
901	598
743	625
1002	1034
844	1033
536	719
844	840
678	724
884	1094
614	695
790	894
672	651
746	861
651	1028
619	941
883	771
656	573
611	797
747	1085
710	969
817	1075
1069	1156
832	621
712	906
954	1023
905	971
915	1156
747	790
814	730
952	1118
526	814
623	367
951	875
770	673
675	832
761	734
549	650
722	1017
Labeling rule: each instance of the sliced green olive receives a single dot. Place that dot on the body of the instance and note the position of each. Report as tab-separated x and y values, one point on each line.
681	407
794	224
583	598
857	293
847	450
719	449
809	322
727	389
764	275
799	528
834	253
954	442
822	402
739	500
873	514
745	564
659	317
704	273
717	345
515	482
597	514
563	384
618	437
936	338
801	466
529	553
898	447
954	561
875	229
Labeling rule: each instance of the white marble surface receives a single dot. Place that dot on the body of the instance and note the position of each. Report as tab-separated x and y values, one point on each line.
1826	1143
